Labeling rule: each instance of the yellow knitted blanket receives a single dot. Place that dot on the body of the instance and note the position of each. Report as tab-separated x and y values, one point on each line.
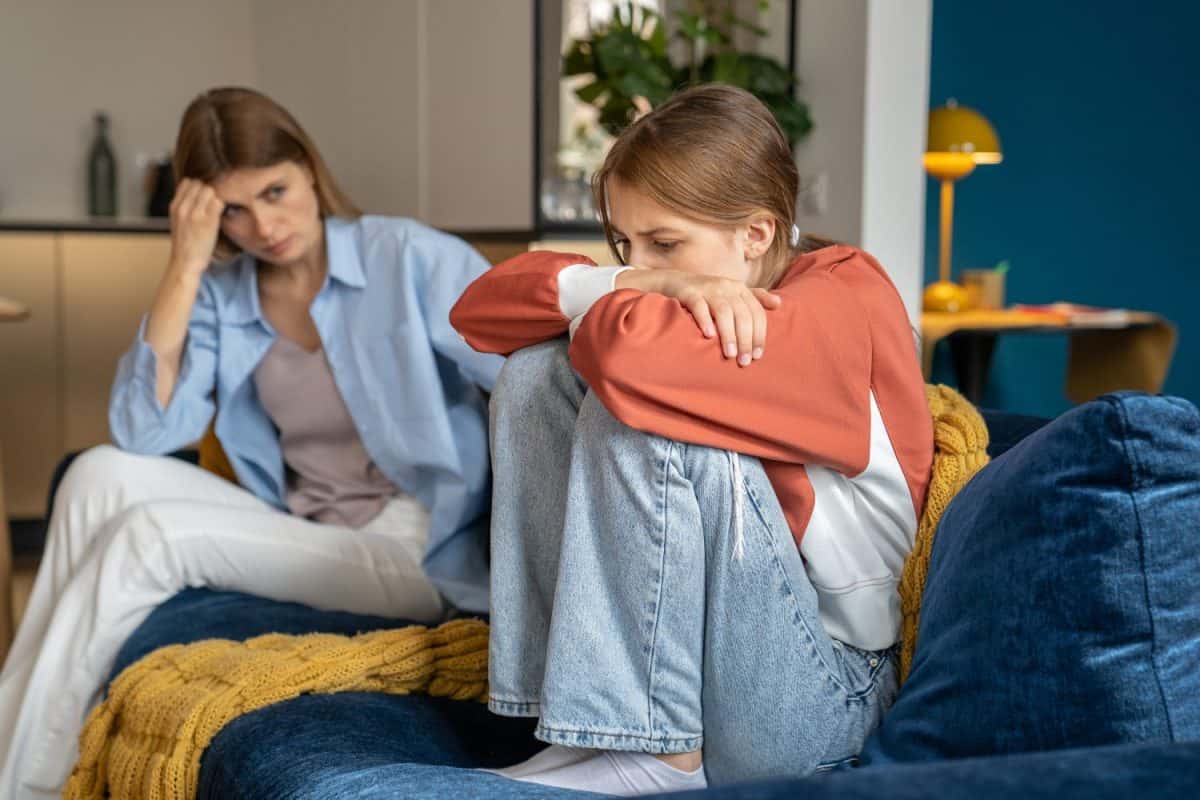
960	440
146	739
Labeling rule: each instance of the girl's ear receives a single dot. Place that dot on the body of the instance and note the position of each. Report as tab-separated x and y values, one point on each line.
760	232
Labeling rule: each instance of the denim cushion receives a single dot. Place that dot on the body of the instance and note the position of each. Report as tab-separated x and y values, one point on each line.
1160	771
328	746
362	745
1062	605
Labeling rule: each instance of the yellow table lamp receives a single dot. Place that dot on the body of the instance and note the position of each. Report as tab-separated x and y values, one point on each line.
960	138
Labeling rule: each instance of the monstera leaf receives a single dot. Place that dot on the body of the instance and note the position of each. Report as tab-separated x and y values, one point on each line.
628	59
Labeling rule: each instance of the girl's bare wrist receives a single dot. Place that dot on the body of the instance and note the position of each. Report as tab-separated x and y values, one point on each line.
643	280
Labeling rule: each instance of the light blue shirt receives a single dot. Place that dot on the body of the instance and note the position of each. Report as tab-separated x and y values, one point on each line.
410	383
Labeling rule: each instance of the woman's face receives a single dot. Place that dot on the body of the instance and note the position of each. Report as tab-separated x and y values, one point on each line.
272	212
652	236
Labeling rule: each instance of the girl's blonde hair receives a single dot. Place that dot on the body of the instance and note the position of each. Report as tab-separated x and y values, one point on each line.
712	153
232	128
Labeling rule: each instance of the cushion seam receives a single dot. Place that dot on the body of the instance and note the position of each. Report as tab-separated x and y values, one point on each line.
1136	474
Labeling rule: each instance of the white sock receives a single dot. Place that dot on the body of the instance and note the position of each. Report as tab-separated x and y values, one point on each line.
621	773
549	758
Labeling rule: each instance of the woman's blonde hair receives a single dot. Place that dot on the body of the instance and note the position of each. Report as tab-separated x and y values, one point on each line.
232	128
712	153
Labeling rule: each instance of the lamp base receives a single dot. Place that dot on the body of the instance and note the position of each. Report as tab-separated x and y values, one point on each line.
945	296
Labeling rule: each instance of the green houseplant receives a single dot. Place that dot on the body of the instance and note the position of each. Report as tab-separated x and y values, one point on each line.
630	65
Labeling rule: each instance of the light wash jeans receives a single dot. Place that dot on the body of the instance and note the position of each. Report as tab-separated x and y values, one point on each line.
621	615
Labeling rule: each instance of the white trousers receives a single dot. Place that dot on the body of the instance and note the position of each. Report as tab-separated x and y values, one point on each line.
128	532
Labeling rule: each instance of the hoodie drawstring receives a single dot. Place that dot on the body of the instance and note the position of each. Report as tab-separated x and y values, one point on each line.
735	476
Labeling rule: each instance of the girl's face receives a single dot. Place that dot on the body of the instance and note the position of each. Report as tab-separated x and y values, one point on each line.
272	212
652	236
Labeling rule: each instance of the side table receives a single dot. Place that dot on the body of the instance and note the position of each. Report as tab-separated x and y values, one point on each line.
1132	352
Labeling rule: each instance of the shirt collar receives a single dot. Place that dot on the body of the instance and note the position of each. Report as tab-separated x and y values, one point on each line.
341	248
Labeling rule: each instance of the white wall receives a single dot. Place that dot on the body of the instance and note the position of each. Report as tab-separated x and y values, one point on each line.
831	63
897	99
864	67
479	109
139	60
350	72
422	107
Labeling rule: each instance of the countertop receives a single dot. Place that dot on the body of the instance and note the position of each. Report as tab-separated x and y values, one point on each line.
84	224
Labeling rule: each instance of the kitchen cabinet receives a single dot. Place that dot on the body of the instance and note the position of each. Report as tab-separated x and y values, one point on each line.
86	293
108	283
30	415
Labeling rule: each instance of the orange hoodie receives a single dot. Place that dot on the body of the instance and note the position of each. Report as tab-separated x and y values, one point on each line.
835	409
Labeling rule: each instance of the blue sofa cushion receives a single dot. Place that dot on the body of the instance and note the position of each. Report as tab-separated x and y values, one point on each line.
1160	771
358	745
326	746
1062	604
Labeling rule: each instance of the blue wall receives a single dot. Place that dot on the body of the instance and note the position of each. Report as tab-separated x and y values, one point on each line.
1097	105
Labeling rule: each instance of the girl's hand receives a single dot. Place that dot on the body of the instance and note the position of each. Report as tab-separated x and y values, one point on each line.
722	307
195	222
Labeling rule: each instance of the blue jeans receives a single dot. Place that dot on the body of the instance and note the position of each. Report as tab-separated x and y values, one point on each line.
626	613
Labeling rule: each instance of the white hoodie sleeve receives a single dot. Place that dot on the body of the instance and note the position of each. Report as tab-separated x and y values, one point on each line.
580	286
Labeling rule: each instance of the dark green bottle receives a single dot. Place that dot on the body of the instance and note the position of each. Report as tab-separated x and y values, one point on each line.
102	173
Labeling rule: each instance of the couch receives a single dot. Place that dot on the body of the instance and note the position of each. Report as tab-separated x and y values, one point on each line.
1058	653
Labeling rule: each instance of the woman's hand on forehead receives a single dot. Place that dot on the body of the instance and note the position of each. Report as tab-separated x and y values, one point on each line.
195	223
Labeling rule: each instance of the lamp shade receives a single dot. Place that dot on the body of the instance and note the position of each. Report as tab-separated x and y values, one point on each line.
958	129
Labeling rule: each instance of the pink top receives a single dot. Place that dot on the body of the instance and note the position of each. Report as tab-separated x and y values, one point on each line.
330	477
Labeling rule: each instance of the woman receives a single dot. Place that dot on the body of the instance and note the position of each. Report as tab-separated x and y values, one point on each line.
350	411
703	504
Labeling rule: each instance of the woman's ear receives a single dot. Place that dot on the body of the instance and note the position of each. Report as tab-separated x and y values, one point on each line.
760	232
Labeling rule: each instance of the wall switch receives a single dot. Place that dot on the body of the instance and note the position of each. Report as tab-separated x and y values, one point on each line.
813	197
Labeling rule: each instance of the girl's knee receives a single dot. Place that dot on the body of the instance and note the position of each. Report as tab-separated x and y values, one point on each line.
597	425
527	373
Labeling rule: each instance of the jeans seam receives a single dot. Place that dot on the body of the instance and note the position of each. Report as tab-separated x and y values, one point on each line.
662	565
851	695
